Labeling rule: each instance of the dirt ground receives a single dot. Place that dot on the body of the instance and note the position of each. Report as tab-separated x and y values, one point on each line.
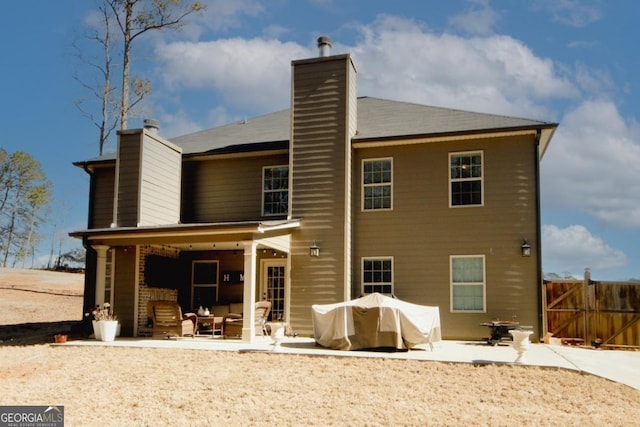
111	386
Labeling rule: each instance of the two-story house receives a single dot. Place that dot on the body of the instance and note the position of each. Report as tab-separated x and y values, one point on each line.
336	197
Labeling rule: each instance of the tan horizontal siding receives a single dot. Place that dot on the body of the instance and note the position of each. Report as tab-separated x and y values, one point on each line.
229	189
321	128
160	183
421	231
128	180
104	182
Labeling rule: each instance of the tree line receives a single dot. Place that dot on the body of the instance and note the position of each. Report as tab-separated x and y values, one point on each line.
25	194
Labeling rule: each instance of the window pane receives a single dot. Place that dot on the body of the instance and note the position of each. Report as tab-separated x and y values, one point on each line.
466	193
467	270
204	296
205	273
467	297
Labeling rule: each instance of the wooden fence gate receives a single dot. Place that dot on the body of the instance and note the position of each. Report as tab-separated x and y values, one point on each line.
600	313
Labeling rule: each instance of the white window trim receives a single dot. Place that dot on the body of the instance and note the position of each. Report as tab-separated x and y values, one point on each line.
362	184
369	258
483	284
481	179
263	191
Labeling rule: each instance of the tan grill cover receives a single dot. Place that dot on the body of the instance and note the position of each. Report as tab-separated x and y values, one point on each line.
375	321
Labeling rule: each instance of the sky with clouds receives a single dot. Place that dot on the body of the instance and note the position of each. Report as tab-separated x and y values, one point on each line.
574	62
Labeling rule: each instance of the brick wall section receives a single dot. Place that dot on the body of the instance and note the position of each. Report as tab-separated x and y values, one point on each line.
146	293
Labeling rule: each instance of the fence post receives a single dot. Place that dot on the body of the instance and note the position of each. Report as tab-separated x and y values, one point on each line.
585	289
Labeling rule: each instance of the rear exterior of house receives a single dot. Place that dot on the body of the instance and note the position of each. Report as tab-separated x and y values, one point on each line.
430	205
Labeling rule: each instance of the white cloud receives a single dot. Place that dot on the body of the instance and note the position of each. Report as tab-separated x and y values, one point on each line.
222	15
575	13
593	81
176	123
398	59
253	74
478	19
593	165
274	31
574	248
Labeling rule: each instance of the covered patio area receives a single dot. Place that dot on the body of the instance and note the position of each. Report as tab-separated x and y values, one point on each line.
196	265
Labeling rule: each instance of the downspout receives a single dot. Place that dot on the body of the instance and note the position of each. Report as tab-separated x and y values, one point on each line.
85	167
538	245
89	295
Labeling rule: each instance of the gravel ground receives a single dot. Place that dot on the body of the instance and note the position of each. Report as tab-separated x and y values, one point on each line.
111	386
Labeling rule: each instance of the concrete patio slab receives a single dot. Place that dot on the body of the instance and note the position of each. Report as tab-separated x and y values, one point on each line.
616	365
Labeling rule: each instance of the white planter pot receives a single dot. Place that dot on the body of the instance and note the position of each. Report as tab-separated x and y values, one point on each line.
108	329
277	334
97	330
521	344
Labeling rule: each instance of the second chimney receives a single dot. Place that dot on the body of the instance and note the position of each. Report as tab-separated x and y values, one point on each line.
151	125
324	44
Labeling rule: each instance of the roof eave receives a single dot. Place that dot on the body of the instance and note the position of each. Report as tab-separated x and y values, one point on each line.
546	128
187	230
545	138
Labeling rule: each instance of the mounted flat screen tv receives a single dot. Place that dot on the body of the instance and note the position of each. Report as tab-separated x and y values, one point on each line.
161	272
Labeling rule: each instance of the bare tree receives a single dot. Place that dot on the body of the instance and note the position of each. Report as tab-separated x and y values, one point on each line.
122	21
135	18
102	90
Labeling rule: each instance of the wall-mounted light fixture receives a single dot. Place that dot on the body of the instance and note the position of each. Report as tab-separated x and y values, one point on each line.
314	249
526	248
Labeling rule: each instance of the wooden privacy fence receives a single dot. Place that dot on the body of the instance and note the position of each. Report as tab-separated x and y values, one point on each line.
600	313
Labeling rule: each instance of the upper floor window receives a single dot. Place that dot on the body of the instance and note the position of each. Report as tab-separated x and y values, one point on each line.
376	184
465	179
467	283
275	190
377	275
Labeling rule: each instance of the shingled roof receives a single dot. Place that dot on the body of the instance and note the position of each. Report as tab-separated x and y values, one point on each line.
378	119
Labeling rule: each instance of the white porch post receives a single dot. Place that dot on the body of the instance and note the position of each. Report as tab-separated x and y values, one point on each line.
249	294
101	270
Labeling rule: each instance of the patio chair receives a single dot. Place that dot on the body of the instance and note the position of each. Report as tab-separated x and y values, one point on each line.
232	322
168	320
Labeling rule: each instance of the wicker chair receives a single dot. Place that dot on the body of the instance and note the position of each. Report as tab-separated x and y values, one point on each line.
232	322
168	320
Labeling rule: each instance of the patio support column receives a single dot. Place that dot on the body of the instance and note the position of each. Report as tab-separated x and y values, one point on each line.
249	293
101	270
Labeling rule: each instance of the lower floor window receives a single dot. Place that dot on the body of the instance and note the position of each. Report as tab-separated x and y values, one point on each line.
467	283
204	283
377	275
